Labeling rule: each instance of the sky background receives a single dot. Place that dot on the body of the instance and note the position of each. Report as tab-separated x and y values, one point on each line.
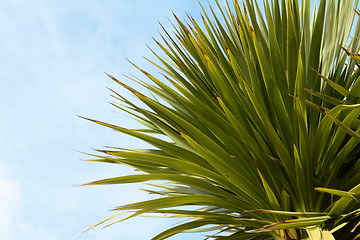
53	55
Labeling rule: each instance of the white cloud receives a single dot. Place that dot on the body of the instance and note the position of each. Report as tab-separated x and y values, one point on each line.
9	199
10	203
12	224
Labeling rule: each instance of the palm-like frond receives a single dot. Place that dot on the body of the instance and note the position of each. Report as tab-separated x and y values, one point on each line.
260	108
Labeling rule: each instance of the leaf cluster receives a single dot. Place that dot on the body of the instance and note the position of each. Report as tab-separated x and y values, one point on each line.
259	107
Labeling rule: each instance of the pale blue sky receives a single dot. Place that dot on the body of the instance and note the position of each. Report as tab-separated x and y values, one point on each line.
53	55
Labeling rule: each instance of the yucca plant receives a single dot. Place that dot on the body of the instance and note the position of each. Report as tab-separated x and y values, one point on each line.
255	124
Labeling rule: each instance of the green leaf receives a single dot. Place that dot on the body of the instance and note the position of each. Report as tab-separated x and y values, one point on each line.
258	108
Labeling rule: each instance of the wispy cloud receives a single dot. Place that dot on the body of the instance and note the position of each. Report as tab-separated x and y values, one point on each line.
10	203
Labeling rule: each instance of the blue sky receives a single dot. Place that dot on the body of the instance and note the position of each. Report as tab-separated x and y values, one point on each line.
53	58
